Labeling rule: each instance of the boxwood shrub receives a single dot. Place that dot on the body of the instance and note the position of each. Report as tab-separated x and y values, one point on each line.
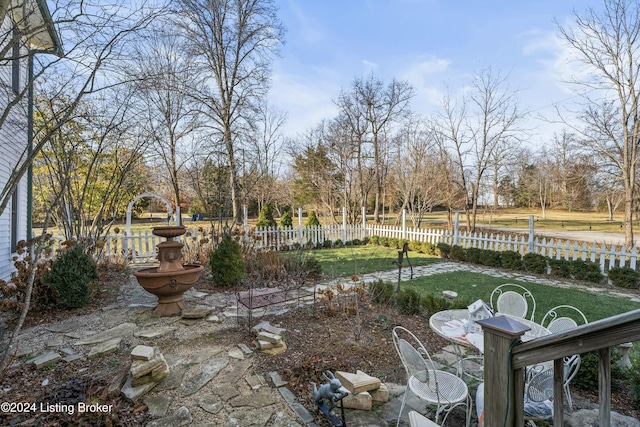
624	277
490	258
511	260
534	263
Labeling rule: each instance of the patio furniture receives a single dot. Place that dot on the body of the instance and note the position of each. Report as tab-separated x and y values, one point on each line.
513	299
418	420
563	317
537	397
440	388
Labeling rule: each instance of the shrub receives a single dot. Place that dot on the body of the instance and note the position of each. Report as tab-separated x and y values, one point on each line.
511	260
415	246
473	255
286	221
338	243
624	277
633	377
457	253
444	250
534	263
227	265
327	244
313	221
375	240
265	219
381	292
409	301
586	270
560	267
429	248
72	277
366	241
434	303
490	258
356	242
394	243
383	241
587	379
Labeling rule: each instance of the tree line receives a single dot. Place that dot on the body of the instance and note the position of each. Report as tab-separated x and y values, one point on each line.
173	98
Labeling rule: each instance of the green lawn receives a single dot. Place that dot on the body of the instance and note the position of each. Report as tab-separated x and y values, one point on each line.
344	262
472	286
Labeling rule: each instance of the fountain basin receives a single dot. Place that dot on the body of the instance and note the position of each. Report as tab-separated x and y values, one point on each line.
169	286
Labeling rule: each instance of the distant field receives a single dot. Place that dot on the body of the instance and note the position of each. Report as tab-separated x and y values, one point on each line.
502	218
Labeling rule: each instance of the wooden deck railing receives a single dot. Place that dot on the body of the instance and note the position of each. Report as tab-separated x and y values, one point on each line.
506	360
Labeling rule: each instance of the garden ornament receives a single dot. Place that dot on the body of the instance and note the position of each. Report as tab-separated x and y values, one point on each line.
329	392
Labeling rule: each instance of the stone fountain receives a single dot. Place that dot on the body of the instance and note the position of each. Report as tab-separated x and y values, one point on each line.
171	279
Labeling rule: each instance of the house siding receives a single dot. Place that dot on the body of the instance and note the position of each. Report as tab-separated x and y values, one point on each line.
13	140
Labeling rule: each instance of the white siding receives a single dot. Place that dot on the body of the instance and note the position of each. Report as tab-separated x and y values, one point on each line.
13	140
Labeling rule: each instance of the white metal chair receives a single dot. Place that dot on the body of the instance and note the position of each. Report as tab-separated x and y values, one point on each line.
513	299
559	319
563	317
537	397
440	388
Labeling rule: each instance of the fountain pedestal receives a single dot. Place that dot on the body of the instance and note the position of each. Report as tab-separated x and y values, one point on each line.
171	279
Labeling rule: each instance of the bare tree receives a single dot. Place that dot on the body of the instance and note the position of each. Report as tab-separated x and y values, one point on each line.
372	108
481	123
162	78
607	42
416	169
232	43
96	36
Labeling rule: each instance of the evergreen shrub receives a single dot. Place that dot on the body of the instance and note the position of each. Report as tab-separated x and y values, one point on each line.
227	265
458	253
286	221
561	267
534	263
586	270
444	250
409	301
72	277
381	292
511	260
473	255
265	219
490	258
624	277
313	220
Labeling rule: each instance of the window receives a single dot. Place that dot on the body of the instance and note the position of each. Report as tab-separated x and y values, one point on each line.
14	220
15	63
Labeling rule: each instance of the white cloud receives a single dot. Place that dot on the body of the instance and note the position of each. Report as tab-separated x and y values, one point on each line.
306	99
426	77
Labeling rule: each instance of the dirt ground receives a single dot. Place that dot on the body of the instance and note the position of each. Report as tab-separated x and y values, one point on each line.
326	337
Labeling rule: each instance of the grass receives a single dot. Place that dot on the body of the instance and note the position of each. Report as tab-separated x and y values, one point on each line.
473	286
343	262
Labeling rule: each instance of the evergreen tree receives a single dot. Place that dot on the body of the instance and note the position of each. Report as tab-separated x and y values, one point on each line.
286	221
313	219
265	219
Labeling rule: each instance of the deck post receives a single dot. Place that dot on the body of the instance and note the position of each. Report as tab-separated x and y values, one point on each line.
501	333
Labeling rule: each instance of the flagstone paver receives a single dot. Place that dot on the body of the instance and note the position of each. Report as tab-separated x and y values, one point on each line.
212	384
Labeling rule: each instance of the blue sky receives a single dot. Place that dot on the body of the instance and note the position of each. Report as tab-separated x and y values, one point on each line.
433	44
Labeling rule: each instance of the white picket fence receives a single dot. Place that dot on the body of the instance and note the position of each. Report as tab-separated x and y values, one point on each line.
140	247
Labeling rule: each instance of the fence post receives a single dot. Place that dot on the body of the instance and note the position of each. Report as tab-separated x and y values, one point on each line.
300	225
456	229
500	335
245	220
364	222
404	224
344	224
531	247
125	247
